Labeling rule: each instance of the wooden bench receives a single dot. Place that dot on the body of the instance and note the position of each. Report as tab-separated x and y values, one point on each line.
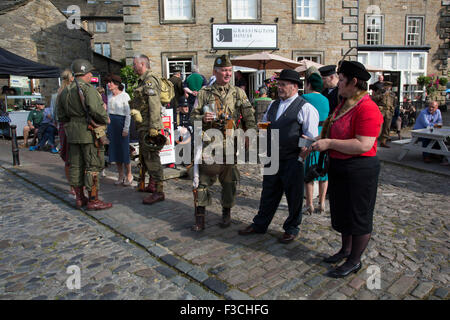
401	142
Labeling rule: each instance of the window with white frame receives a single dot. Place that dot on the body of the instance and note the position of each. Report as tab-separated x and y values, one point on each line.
100	26
414	31
177	10
308	9
244	10
374	29
103	48
311	57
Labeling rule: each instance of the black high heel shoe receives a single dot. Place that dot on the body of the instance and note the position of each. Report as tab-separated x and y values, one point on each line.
344	270
336	258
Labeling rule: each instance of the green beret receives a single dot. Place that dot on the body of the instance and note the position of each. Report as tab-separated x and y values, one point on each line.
315	81
222	61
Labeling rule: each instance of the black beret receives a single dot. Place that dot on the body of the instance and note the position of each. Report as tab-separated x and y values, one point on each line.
354	69
327	70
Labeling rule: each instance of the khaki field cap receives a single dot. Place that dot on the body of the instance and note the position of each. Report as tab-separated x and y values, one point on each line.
81	66
222	61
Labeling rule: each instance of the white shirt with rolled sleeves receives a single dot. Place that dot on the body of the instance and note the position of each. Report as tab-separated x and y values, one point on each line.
119	105
308	116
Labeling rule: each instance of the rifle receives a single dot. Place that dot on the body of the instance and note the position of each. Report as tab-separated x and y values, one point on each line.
98	131
142	171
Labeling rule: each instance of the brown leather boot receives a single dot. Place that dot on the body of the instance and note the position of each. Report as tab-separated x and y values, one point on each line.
226	218
151	187
156	196
81	199
96	204
199	220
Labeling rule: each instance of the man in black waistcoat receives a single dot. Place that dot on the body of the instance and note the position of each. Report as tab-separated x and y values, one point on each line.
293	116
330	84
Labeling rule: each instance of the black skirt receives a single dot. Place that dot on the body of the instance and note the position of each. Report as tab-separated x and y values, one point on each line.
353	185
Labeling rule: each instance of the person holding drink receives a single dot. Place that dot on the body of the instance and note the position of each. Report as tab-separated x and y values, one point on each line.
293	116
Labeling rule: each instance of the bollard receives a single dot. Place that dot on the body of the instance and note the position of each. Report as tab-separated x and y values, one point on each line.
15	147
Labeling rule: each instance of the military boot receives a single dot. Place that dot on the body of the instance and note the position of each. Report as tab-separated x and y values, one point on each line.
157	196
226	218
81	199
151	187
96	204
199	220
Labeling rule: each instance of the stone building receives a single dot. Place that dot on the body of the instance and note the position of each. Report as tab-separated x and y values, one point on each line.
103	19
194	32
37	30
406	39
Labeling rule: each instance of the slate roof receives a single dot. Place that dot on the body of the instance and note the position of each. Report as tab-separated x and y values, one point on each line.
8	5
102	8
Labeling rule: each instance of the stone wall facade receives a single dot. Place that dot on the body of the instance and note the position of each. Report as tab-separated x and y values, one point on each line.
395	13
38	31
114	35
145	33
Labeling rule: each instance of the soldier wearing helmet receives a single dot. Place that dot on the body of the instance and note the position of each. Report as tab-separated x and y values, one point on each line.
85	159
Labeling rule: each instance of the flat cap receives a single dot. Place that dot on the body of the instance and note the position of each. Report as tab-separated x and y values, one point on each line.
354	69
222	61
327	70
42	102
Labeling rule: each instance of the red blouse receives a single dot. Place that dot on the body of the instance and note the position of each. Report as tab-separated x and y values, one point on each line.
364	120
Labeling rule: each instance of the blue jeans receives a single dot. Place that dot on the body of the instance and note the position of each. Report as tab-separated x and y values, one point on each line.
48	135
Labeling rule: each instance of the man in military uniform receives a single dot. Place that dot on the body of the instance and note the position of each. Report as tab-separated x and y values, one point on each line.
385	99
330	84
177	86
230	103
146	100
85	158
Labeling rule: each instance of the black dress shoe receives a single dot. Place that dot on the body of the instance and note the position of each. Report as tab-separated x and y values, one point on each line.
336	258
287	238
248	230
345	270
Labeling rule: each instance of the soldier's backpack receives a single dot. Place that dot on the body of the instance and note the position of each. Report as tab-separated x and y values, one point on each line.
167	91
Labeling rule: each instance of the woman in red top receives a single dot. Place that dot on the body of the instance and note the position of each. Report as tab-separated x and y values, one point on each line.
350	135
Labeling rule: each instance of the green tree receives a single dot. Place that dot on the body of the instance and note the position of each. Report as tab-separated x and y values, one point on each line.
130	78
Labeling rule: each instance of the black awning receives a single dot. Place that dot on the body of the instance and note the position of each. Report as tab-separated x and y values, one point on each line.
366	47
12	64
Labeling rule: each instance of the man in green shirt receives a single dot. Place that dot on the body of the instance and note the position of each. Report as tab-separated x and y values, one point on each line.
192	86
33	121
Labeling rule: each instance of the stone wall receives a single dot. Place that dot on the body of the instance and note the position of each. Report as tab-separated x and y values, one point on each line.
38	31
114	36
145	34
395	13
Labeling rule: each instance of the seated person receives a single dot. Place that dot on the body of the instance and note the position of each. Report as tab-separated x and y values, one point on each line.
429	116
408	113
33	121
47	131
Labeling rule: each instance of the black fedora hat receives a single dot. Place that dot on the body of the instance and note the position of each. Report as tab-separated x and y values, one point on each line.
289	75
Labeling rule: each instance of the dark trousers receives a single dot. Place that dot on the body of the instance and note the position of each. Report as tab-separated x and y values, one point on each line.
288	180
47	135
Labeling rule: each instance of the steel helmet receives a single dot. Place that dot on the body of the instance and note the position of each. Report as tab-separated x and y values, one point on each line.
81	66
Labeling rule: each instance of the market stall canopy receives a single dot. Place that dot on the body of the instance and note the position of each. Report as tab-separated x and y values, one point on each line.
12	64
264	61
305	64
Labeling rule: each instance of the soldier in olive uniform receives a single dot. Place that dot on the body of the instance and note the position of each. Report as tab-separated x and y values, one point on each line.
85	159
146	101
233	103
385	99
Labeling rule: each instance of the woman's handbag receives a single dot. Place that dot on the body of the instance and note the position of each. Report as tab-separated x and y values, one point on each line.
319	169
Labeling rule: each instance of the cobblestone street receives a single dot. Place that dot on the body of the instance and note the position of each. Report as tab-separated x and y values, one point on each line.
41	235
